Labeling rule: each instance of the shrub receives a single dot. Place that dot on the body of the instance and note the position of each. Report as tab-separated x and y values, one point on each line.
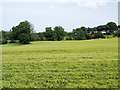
108	33
117	34
99	35
69	38
12	41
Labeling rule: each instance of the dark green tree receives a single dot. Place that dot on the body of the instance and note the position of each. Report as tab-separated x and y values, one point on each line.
3	37
22	28
103	28
49	34
59	31
79	34
98	35
84	29
112	27
88	36
100	28
41	36
10	36
24	38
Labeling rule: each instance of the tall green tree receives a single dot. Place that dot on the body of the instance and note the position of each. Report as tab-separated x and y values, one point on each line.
79	34
49	34
19	30
102	28
112	26
3	37
84	29
59	31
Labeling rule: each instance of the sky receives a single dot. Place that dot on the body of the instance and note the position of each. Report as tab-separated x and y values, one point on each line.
69	14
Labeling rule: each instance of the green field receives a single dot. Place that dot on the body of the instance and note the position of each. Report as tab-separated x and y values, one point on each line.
61	64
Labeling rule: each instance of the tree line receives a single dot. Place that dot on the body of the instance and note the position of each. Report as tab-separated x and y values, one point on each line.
24	33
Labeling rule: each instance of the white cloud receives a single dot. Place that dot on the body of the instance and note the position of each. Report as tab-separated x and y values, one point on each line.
66	17
91	4
59	1
52	7
81	3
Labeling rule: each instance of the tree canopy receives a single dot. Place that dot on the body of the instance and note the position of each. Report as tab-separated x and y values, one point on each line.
112	26
24	33
24	28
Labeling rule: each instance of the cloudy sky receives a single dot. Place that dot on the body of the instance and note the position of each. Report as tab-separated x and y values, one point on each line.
67	13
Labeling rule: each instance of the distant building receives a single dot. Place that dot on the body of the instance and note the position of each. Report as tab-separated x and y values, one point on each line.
103	32
92	32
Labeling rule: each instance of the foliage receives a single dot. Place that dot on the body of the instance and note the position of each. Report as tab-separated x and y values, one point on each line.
34	37
88	36
41	36
84	29
24	39
49	34
10	36
108	33
117	34
59	32
112	26
3	37
89	30
20	30
69	38
99	35
3	41
103	28
79	34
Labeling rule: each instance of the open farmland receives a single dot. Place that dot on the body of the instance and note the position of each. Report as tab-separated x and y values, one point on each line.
61	64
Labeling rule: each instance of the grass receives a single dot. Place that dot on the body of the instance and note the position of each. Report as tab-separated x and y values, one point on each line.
61	64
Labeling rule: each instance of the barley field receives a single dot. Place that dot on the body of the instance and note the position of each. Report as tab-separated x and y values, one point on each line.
61	64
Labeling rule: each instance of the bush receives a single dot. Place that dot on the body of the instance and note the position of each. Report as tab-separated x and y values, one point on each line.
108	33
69	38
99	35
12	41
24	39
117	34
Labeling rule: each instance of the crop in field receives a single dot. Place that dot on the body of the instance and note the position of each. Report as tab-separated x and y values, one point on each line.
61	64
